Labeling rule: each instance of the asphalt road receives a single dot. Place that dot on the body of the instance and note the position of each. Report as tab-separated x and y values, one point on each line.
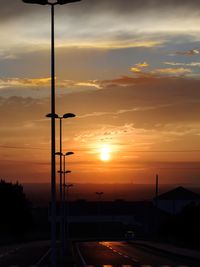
27	255
123	254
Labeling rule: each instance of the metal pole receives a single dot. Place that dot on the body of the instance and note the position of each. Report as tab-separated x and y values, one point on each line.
60	160
61	195
64	204
67	197
156	197
53	156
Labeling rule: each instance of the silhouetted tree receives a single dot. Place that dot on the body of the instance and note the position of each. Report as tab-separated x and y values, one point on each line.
15	216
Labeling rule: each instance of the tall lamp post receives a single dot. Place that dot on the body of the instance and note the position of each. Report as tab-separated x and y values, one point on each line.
64	182
60	118
62	172
53	141
63	215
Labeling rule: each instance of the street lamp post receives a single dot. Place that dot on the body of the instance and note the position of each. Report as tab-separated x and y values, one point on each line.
60	118
53	141
64	204
63	172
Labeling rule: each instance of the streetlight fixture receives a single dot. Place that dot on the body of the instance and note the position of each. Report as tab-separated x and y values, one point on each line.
39	2
63	211
69	153
53	139
60	118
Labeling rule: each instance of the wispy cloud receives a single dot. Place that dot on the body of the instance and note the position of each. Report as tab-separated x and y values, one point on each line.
142	65
44	82
191	64
173	71
17	82
191	52
137	70
123	111
94	84
139	67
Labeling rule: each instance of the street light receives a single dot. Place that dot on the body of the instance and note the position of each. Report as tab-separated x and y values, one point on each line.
60	118
39	2
56	116
69	153
62	2
63	211
46	2
53	141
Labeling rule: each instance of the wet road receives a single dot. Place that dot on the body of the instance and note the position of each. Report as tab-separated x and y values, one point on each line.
123	254
28	255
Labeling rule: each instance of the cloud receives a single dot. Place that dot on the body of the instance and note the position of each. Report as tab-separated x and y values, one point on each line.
93	84
192	52
134	69
152	113
142	65
123	111
17	82
139	24
173	71
191	64
16	8
39	87
139	67
112	45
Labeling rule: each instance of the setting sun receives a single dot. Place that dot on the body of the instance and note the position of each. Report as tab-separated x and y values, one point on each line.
105	153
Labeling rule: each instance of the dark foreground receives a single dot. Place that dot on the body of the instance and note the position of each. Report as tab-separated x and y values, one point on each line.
94	254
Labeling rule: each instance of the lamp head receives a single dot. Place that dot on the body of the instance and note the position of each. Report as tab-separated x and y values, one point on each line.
50	115
69	153
62	2
39	2
69	115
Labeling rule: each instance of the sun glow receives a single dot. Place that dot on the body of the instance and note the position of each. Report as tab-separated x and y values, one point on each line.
105	153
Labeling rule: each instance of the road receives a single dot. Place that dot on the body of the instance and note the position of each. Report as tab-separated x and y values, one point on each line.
28	255
123	254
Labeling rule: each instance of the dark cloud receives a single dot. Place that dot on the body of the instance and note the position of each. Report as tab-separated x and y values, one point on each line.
11	9
149	99
130	6
192	52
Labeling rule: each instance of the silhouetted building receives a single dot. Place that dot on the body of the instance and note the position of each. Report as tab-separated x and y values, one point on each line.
176	200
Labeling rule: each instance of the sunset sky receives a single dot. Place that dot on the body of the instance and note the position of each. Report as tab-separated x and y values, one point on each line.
129	70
